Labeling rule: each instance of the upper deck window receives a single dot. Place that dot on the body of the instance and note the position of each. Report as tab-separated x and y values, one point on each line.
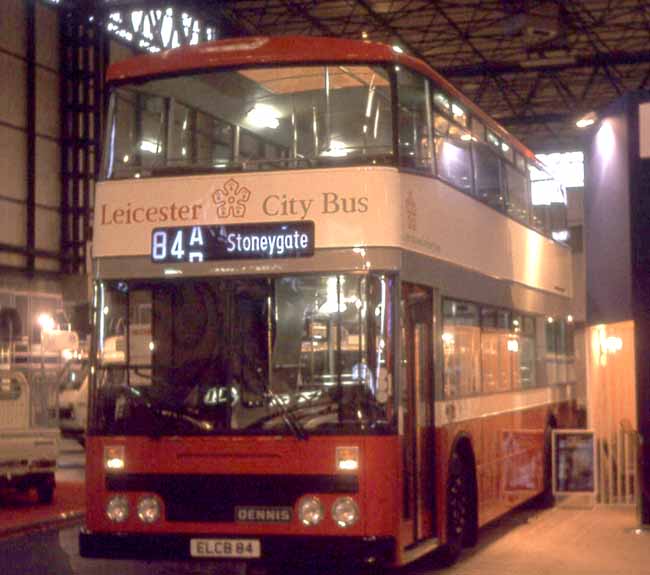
250	119
442	101
492	139
414	121
459	114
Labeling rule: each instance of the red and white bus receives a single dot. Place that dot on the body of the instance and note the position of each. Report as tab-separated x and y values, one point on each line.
331	317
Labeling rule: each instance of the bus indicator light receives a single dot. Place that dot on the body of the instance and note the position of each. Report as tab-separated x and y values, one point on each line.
114	458
347	458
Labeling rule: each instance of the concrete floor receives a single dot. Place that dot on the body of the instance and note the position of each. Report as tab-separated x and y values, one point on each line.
560	541
565	540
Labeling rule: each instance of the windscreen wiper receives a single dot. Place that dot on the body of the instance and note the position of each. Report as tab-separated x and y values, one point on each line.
288	416
166	412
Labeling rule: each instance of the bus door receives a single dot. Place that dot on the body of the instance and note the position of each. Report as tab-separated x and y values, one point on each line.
416	413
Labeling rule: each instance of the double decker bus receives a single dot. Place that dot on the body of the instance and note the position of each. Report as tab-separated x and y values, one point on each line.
330	315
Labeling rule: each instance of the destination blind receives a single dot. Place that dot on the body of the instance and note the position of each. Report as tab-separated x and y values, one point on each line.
229	242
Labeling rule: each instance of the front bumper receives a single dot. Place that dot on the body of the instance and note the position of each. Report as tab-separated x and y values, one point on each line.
275	549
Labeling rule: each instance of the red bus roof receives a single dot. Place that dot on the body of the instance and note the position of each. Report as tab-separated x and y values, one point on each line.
263	50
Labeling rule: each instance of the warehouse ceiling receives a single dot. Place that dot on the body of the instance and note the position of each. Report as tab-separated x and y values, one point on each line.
535	66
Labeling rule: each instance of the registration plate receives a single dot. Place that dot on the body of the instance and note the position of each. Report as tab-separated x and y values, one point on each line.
237	548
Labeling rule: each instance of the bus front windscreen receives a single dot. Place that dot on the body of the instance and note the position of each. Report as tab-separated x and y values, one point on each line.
300	354
250	119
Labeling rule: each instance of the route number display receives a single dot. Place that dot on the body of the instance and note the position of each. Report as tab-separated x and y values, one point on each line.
228	242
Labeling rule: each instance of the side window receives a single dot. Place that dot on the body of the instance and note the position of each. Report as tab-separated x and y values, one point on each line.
487	176
548	209
414	137
517	204
486	349
461	342
453	155
525	333
495	350
478	130
553	356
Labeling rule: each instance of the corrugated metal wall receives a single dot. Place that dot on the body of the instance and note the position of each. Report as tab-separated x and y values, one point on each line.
30	190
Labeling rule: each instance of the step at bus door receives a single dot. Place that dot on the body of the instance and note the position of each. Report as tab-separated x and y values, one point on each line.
416	413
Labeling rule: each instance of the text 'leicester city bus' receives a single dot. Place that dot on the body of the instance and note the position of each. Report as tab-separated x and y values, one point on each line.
331	314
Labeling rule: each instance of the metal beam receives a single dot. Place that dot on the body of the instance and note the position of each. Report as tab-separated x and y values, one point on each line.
30	39
384	23
559	117
540	65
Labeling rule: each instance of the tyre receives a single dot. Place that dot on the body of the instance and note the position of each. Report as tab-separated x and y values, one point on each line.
461	528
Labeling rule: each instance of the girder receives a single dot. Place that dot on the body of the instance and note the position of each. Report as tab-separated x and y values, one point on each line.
521	59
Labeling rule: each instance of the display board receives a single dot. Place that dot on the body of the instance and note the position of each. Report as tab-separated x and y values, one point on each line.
574	461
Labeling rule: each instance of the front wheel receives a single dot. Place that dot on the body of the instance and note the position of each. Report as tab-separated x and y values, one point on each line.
460	528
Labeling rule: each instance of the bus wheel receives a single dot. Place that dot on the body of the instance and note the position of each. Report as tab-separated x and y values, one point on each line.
460	513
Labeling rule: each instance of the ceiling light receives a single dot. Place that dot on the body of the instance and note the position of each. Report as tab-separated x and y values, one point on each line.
336	150
263	116
586	120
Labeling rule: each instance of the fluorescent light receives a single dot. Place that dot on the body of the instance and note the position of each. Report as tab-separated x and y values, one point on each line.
336	150
586	120
149	146
263	116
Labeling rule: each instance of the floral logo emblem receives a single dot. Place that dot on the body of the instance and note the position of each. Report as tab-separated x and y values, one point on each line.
411	212
231	200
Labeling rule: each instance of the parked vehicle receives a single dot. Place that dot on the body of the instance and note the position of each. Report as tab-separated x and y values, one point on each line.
29	388
29	435
73	399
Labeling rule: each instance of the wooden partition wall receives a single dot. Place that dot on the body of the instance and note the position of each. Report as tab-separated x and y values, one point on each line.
612	409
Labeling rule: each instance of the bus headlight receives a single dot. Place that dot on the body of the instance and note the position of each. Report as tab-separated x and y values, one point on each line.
117	509
310	510
345	512
149	509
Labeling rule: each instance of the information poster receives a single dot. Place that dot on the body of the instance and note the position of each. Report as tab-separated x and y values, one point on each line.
574	461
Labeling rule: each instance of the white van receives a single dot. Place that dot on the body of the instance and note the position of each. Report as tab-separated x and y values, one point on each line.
73	398
29	435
